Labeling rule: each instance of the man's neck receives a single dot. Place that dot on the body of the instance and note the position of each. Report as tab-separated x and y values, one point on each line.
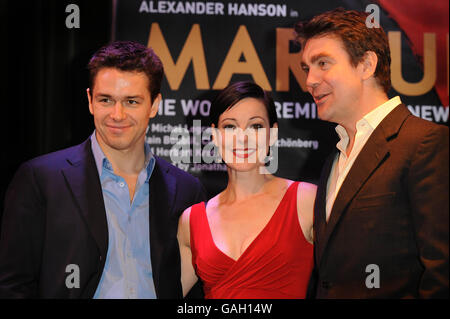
125	162
368	103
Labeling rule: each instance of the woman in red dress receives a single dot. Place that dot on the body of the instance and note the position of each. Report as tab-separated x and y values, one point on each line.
254	239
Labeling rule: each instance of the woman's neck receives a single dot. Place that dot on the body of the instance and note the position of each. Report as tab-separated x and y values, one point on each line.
242	185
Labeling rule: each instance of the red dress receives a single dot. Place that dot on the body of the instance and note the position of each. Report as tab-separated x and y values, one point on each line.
276	265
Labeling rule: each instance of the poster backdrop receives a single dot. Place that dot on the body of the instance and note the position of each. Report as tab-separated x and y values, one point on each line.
205	45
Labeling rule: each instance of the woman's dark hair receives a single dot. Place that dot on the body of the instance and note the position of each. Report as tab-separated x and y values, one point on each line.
236	92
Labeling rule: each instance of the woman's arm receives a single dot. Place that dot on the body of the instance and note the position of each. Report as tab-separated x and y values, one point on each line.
306	195
188	276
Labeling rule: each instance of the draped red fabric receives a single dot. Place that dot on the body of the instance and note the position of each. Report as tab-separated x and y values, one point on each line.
416	17
276	265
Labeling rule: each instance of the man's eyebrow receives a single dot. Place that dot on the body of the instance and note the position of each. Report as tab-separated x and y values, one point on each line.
315	57
103	95
126	97
134	97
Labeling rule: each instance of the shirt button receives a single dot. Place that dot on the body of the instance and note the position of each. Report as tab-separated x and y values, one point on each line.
121	184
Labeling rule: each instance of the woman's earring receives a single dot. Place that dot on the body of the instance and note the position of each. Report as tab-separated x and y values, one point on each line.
217	157
269	156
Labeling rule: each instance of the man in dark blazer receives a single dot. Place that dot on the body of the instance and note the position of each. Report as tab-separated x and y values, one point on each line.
381	215
63	222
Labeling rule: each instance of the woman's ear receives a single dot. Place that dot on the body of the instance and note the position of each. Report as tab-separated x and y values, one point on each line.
273	134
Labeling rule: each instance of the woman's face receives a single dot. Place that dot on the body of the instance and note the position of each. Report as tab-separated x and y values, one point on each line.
243	135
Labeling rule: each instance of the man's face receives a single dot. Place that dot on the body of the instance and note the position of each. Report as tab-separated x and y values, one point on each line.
334	83
121	106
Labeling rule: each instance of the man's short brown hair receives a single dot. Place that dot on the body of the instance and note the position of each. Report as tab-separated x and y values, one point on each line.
350	27
128	56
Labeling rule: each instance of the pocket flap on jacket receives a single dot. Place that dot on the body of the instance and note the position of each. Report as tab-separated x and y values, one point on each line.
374	200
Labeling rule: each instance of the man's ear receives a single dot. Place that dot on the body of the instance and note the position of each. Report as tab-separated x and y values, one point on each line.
155	106
91	108
368	65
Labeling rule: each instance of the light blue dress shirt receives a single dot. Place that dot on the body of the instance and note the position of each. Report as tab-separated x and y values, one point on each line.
128	269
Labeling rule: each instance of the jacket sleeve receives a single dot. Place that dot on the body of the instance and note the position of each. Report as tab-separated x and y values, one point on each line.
428	193
21	236
200	194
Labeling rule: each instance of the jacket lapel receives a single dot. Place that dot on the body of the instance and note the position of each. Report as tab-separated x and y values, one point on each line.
320	205
83	180
162	196
374	152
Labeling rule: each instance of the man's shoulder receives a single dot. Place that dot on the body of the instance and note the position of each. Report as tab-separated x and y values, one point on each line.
401	122
418	126
48	167
59	159
178	173
189	189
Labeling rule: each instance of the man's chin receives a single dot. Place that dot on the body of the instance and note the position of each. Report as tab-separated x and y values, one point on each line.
118	143
323	113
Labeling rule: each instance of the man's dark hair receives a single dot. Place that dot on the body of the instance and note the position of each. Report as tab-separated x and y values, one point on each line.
128	56
236	92
350	27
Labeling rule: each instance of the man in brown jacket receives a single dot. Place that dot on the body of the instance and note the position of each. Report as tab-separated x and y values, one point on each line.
381	214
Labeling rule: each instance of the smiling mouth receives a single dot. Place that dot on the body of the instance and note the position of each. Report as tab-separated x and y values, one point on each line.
243	153
117	129
320	98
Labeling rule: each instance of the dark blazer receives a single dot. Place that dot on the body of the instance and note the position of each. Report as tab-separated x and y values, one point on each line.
55	216
392	211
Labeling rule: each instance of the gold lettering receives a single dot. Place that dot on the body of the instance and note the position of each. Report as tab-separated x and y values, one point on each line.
192	52
429	65
242	45
288	61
